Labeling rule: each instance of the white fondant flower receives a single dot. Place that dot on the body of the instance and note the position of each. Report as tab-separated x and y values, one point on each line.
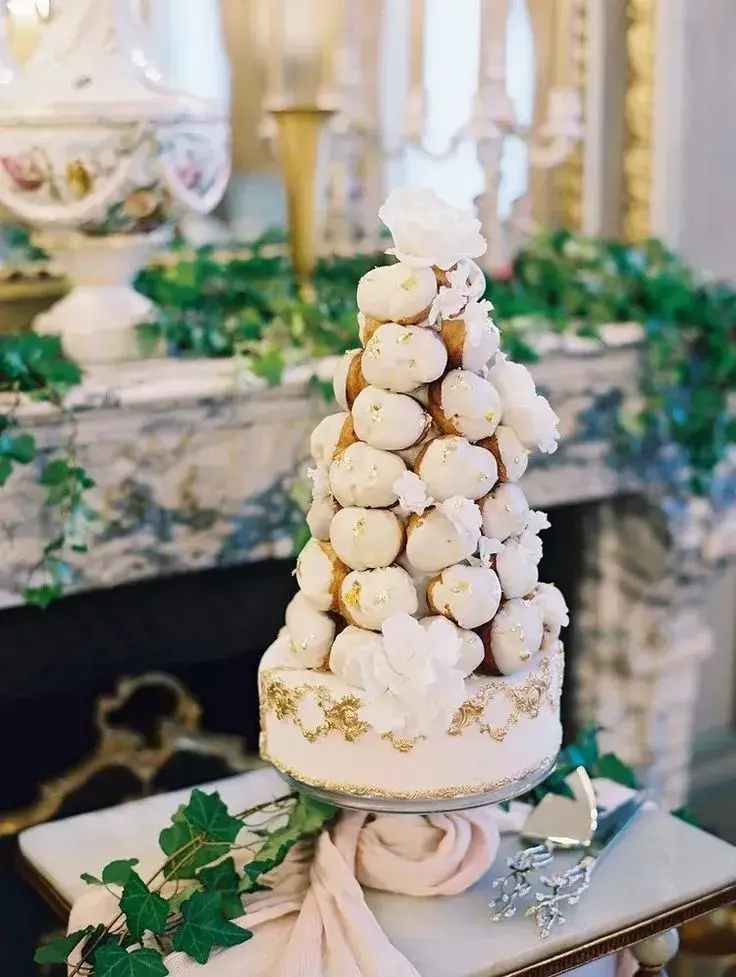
478	323
464	515
513	381
412	493
537	521
487	549
428	231
469	278
414	685
448	303
530	542
535	424
320	483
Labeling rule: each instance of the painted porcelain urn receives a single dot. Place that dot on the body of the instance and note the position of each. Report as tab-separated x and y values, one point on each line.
100	157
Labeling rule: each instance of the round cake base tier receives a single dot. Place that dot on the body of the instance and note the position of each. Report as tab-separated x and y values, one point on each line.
503	739
398	805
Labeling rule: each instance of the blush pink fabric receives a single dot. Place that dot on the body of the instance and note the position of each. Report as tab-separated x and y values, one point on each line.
315	921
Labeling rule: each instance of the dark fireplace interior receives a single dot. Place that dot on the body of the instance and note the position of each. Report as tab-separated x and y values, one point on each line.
207	629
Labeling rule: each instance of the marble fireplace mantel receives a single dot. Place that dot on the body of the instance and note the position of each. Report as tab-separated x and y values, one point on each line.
194	462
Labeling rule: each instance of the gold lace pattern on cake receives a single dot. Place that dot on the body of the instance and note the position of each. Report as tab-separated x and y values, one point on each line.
526	700
340	715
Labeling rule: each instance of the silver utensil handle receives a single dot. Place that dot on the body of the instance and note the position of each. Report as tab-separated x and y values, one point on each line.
563	889
515	885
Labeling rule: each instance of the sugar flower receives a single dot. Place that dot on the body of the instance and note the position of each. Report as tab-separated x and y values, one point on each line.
464	515
412	493
427	231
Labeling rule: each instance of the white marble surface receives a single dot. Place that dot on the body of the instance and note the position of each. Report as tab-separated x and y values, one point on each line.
659	864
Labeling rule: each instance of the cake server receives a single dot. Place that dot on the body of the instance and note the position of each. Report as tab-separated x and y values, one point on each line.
557	822
567	887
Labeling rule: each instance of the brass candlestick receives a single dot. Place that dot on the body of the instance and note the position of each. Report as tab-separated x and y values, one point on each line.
301	142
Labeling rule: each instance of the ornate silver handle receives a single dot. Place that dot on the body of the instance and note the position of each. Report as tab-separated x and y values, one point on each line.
515	885
565	889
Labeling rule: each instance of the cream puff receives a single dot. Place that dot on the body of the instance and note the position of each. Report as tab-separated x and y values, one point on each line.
348	379
465	404
512	638
323	443
365	539
472	653
505	512
370	597
511	456
517	569
311	633
451	465
365	476
319	574
434	542
397	293
402	358
555	614
468	596
472	338
350	650
387	420
320	515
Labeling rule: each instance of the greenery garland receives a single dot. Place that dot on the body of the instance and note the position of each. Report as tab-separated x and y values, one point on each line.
248	306
34	367
189	903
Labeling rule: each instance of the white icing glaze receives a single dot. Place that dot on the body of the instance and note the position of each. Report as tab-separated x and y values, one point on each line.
511	455
517	569
482	337
366	538
397	293
316	572
349	651
320	516
516	635
505	512
370	597
325	436
310	632
365	476
433	542
469	596
387	420
472	652
340	378
471	404
452	466
535	424
402	358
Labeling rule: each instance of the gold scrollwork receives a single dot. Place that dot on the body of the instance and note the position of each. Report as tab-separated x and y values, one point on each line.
571	174
118	747
340	715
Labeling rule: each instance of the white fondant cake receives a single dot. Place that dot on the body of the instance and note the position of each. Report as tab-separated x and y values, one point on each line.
422	657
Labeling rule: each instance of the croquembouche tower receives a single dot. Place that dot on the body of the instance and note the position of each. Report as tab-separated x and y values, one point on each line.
421	660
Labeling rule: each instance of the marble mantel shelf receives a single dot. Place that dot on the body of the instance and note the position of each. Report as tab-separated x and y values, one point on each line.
195	462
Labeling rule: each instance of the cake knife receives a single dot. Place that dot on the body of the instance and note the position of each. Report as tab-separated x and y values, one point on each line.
567	887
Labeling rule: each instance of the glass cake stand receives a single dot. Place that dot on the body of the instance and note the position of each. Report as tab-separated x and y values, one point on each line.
424	805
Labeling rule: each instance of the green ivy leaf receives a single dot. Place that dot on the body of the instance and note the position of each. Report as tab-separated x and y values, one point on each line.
6	469
111	960
613	768
21	448
55	473
683	814
200	833
307	818
90	879
205	927
58	949
43	596
223	878
144	910
118	872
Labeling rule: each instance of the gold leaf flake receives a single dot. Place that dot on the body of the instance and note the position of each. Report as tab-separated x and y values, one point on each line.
490	416
358	529
461	587
382	597
409	283
375	413
405	336
352	597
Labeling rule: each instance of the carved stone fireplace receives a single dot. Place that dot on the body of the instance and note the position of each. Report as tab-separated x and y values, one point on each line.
195	463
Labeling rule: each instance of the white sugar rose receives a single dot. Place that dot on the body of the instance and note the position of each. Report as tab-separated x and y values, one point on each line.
469	278
448	303
464	515
513	381
428	231
555	614
415	684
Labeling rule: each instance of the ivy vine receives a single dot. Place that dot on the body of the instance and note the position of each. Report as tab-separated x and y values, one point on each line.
248	305
34	367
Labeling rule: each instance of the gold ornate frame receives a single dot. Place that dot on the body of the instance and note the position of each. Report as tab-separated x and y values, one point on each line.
639	118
